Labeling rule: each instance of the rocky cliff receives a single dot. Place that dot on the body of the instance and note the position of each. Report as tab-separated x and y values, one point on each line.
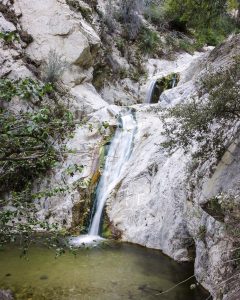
157	203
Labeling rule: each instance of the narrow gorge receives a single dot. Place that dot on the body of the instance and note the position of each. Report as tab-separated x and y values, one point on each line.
119	150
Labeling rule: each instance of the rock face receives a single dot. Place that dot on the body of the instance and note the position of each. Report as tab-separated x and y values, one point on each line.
54	26
140	206
151	205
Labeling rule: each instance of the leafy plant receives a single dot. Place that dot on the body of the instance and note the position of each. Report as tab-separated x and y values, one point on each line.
149	41
19	223
154	13
208	21
28	143
194	120
24	88
8	37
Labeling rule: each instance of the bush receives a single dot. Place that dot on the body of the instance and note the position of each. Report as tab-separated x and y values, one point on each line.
28	139
149	41
8	37
194	120
154	13
208	21
24	88
109	18
54	67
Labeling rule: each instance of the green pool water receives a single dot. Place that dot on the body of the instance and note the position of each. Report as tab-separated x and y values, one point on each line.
120	271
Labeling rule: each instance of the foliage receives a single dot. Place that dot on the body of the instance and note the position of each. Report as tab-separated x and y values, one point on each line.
149	41
194	120
202	233
28	143
54	67
31	143
209	21
18	224
8	37
154	13
24	88
120	43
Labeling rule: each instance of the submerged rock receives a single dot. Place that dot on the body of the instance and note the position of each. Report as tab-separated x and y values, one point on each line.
6	295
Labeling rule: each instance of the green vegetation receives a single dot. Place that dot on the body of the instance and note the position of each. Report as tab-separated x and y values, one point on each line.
154	13
195	118
24	88
8	37
30	145
149	41
54	67
202	233
208	21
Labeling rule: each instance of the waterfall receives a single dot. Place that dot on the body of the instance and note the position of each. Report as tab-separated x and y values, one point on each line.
118	154
174	81
150	91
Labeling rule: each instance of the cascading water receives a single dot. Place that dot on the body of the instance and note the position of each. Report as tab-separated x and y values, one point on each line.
150	91
118	154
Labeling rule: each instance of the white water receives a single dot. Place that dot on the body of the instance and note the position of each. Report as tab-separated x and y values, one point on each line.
150	91
118	154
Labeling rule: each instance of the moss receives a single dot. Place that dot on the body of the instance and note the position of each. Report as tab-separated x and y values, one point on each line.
109	231
214	209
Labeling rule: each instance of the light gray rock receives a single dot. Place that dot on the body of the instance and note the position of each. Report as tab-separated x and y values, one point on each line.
54	26
6	26
6	295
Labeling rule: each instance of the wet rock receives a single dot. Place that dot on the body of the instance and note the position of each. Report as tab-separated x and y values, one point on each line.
6	295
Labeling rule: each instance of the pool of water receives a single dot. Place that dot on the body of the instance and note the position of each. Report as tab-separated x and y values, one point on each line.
118	271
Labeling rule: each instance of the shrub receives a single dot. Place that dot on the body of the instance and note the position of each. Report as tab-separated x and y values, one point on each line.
24	88
120	43
54	67
28	139
154	13
109	18
8	37
194	120
208	21
149	41
28	142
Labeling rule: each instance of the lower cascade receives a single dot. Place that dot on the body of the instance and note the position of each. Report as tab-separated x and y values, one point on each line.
118	154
